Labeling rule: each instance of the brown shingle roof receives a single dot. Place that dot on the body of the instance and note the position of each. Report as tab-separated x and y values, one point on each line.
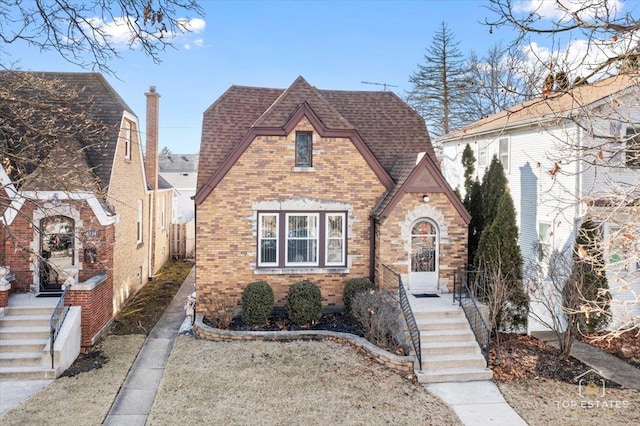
107	107
539	109
388	126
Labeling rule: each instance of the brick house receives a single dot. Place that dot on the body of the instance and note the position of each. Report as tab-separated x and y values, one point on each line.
100	232
324	185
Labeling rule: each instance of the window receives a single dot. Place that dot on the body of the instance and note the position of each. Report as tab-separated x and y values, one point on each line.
303	149
268	239
503	151
302	239
632	152
544	241
335	239
127	140
482	153
139	228
161	212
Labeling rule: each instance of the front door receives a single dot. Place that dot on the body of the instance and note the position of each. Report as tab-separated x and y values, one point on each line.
57	251
423	258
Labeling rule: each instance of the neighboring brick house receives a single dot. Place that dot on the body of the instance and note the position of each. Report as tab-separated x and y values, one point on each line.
323	185
97	231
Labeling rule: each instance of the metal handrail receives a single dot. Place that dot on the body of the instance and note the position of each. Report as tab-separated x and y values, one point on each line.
55	322
464	296
412	325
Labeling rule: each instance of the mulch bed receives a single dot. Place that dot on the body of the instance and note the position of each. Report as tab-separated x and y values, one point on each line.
279	321
523	357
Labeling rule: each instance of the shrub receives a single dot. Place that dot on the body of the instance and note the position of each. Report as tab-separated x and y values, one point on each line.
257	303
218	310
379	314
304	302
353	287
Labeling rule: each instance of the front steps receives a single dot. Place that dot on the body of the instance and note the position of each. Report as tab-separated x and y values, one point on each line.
24	344
450	352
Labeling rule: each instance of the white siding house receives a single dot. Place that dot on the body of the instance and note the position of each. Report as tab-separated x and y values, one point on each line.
566	157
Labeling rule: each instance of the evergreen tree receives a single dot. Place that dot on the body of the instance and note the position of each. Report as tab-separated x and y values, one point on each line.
476	225
469	165
591	278
494	185
499	256
439	87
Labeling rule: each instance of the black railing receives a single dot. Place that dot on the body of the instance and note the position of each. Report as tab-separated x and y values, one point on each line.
414	332
55	323
466	296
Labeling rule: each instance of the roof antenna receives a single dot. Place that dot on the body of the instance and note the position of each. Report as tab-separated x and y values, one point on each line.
384	85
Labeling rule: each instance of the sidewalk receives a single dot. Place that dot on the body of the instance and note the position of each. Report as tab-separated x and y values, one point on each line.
133	403
609	366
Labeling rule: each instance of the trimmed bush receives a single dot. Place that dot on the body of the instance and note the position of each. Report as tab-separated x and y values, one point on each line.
257	303
353	287
304	302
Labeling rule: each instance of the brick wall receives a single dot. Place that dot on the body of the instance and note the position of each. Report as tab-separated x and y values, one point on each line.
393	236
96	310
227	240
130	259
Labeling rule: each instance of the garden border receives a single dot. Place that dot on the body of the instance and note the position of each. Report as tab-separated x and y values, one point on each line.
403	365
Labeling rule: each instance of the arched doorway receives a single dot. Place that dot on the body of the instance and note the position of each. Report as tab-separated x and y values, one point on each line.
56	251
423	257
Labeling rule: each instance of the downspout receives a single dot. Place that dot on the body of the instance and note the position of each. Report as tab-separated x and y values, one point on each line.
372	249
150	250
579	170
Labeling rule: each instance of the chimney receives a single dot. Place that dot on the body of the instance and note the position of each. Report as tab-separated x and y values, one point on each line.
151	154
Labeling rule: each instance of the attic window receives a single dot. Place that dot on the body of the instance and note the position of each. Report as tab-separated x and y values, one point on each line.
303	149
127	140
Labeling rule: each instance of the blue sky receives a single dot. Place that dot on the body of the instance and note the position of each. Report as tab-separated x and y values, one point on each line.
332	44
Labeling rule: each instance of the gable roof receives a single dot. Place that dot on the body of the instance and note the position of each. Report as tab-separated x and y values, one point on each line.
107	107
178	163
540	109
381	125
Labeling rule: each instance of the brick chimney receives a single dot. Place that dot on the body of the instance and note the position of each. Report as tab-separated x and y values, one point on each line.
151	154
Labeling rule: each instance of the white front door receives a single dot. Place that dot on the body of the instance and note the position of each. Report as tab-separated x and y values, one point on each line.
423	257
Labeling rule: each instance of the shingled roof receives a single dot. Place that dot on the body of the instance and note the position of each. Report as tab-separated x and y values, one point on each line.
107	108
388	126
554	106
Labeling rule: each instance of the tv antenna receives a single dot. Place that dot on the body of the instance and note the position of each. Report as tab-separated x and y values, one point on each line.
384	85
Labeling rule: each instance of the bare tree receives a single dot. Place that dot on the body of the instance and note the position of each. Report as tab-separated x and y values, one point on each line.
89	32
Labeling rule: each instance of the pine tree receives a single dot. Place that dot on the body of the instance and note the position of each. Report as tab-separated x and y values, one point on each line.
499	256
472	201
592	280
494	185
439	87
469	165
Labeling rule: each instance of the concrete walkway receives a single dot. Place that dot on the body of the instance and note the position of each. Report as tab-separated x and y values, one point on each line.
477	403
609	366
133	403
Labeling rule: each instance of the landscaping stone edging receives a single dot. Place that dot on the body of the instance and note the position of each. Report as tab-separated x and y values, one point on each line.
403	365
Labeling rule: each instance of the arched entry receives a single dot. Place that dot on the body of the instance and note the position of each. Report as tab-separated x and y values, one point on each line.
56	251
423	257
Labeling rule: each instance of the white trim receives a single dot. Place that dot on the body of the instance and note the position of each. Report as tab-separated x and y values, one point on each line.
505	167
277	216
317	239
343	238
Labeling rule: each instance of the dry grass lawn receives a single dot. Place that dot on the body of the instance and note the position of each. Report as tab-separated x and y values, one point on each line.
551	402
84	399
266	383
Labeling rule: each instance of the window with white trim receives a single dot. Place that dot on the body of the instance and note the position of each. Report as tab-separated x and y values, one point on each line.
544	241
632	149
503	153
302	239
139	222
268	239
482	153
127	140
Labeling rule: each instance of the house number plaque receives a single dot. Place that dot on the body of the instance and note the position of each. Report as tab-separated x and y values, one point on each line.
91	233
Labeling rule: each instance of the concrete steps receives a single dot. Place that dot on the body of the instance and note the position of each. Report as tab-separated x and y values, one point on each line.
24	341
450	352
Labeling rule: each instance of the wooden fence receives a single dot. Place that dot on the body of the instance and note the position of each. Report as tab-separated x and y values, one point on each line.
183	240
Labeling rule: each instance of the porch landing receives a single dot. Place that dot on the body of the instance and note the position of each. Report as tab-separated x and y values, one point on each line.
449	350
